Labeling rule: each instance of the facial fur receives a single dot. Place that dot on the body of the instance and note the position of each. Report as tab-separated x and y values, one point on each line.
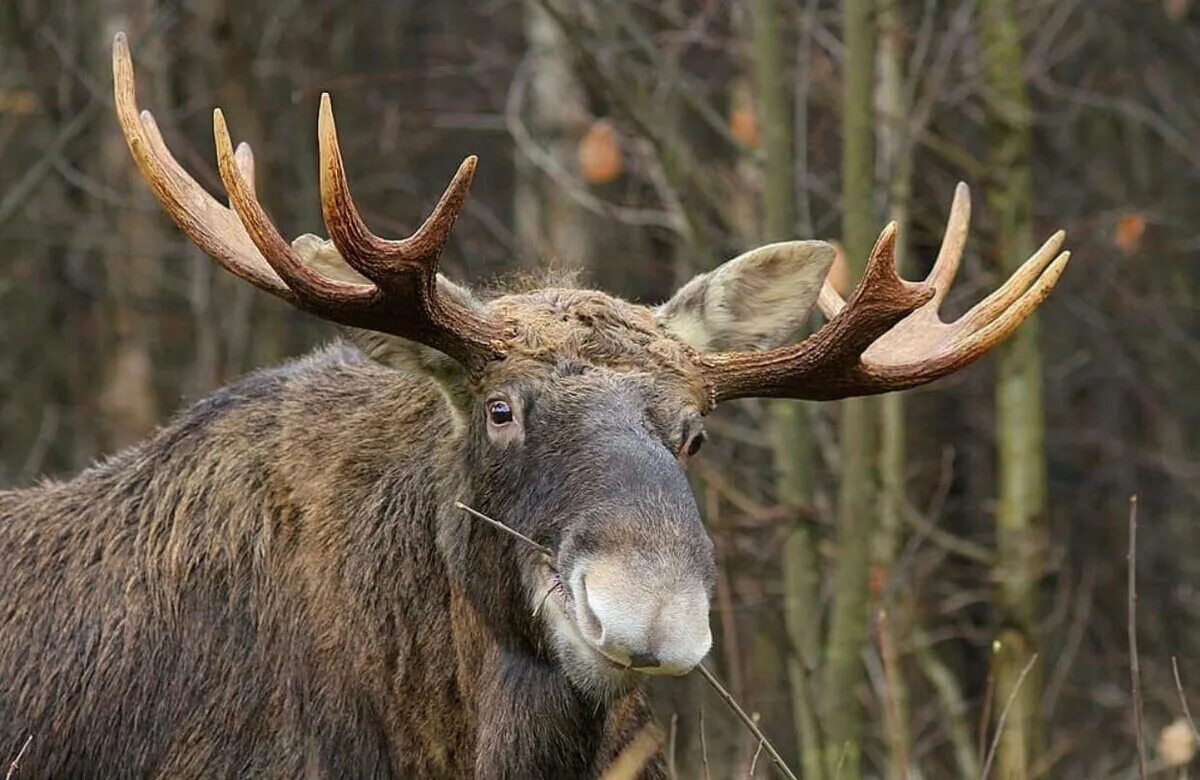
599	408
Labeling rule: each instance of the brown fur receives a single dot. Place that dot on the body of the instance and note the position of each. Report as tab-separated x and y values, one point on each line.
275	584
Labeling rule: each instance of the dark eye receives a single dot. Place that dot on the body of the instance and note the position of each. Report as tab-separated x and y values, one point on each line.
694	444
499	412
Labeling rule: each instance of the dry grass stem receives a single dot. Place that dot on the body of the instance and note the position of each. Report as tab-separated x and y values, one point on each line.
16	762
501	526
754	761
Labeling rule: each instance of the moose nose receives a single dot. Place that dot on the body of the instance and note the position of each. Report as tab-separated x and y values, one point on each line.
651	621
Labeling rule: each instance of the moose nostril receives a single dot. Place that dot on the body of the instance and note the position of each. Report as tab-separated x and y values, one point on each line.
644	661
591	623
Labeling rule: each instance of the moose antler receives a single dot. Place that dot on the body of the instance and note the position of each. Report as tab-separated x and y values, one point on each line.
401	293
889	335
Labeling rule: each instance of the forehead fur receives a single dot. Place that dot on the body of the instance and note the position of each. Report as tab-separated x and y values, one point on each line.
561	325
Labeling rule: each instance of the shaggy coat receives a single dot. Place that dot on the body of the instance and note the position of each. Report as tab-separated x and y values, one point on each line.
277	584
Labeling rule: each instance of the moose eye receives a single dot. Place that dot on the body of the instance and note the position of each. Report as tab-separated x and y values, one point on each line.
694	444
499	412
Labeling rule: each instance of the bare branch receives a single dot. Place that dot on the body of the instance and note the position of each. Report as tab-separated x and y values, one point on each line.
746	719
1135	671
1012	697
1187	712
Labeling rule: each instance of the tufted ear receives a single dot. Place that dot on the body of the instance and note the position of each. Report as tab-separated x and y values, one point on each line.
392	351
758	300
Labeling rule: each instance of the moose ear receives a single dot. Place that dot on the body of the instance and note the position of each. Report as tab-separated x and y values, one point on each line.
759	300
322	256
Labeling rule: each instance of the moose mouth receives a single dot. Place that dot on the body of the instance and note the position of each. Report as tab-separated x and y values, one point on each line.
556	599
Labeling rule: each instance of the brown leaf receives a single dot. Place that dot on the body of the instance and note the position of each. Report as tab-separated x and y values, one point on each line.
1127	234
600	159
1176	9
743	125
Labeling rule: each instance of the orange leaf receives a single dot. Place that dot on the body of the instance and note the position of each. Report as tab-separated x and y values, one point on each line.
599	153
743	125
1127	234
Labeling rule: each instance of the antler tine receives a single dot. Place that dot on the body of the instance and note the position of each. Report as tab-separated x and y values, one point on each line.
830	301
404	269
312	290
211	226
244	157
1003	297
1005	324
958	224
381	260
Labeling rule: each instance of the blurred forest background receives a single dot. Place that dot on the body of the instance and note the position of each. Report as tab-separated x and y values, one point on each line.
902	579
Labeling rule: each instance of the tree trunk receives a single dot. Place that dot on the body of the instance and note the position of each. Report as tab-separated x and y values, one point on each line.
895	155
548	224
127	401
857	505
1019	422
791	437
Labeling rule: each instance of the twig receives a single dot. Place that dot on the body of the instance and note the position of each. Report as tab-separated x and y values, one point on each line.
1135	671
672	739
746	719
985	714
703	746
891	688
497	524
754	761
1187	713
16	762
1012	697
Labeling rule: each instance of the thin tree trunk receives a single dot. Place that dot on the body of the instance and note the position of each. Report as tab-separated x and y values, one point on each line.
1019	421
127	401
791	436
857	505
895	153
548	224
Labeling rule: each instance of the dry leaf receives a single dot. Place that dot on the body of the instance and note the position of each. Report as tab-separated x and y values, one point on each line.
1127	234
600	159
1176	9
743	125
1177	743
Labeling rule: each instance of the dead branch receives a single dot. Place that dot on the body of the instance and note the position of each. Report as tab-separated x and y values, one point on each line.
746	719
1135	671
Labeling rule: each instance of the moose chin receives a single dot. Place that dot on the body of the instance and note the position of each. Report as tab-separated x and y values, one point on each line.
277	583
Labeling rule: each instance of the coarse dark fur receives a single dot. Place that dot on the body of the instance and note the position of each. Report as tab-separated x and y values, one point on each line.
276	583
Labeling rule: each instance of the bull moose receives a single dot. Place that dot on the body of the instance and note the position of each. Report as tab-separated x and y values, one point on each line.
277	583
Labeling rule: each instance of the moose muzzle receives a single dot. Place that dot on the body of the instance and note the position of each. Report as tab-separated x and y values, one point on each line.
641	615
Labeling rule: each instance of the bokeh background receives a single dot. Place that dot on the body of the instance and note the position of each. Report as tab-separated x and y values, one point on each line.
933	585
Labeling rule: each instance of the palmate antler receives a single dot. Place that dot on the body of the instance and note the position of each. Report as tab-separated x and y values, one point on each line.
401	297
889	335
